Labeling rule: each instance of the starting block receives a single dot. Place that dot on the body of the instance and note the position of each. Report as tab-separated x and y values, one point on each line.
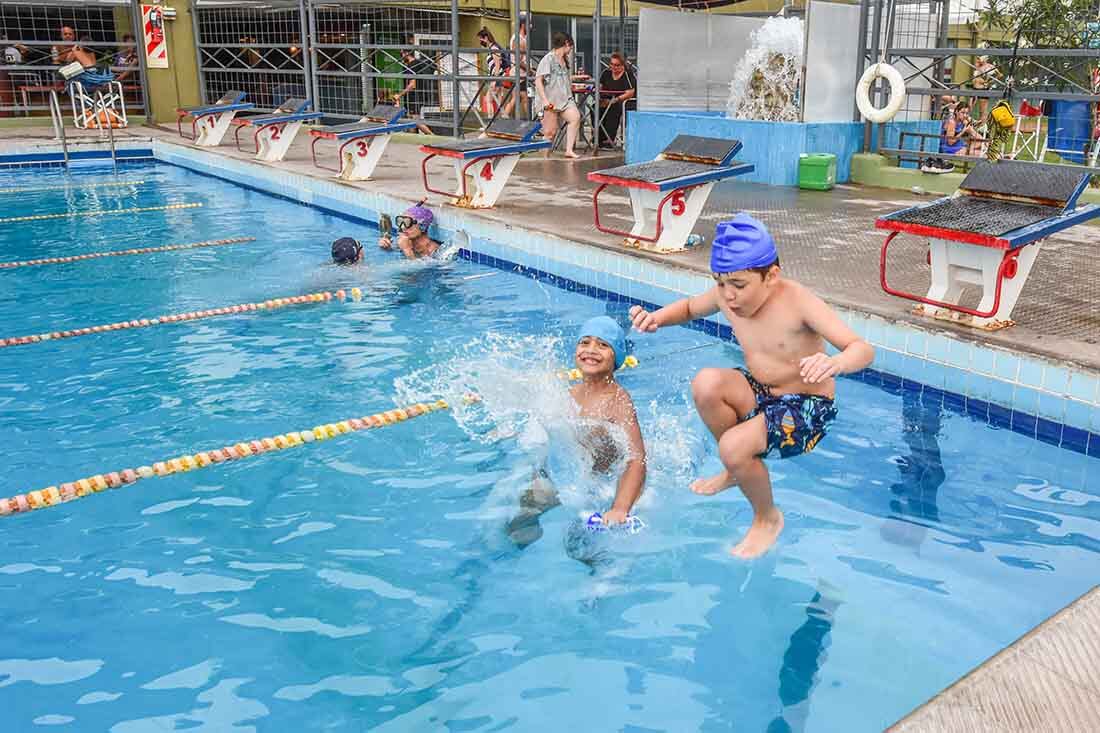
495	156
210	122
682	176
988	234
377	125
275	132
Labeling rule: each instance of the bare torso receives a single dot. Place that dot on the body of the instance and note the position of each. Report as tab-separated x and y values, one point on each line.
776	339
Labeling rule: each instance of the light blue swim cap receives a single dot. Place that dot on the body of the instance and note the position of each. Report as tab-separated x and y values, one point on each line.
611	333
741	243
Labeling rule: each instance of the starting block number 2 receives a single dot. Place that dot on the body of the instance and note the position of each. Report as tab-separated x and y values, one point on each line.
677	205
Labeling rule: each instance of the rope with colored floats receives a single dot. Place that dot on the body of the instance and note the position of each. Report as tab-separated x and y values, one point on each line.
37	189
321	297
61	493
97	212
124	252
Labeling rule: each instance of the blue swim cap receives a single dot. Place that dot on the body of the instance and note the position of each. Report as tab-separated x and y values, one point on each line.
611	333
741	244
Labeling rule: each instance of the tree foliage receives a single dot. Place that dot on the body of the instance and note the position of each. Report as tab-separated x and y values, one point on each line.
1047	24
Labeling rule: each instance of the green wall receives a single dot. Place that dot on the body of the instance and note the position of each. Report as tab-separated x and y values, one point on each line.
178	85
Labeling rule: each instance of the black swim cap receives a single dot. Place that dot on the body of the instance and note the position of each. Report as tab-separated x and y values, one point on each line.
345	251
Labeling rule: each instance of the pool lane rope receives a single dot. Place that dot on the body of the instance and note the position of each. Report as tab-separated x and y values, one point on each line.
37	189
320	297
61	493
52	495
97	212
124	252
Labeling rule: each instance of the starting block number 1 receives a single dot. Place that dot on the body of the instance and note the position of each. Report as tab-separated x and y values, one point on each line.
678	206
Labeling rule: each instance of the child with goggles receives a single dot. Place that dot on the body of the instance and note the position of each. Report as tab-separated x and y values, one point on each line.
412	232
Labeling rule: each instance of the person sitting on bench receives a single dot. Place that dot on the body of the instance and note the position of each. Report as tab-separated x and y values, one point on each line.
957	137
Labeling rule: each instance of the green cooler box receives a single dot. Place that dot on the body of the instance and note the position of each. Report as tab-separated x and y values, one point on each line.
816	171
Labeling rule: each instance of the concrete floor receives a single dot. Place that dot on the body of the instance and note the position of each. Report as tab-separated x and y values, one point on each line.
1048	680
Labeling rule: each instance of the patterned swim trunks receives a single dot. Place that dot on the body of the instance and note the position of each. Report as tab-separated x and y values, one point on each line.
795	423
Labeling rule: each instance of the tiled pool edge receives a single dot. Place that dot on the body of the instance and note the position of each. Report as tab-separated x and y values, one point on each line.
1011	389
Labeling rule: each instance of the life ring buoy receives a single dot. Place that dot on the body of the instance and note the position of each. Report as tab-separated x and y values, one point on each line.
863	91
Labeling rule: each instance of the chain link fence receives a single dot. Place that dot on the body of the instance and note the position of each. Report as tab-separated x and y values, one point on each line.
36	38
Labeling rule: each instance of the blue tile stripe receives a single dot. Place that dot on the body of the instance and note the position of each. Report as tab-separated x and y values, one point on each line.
1063	403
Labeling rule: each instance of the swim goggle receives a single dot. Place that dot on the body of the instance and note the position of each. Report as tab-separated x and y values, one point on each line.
404	222
632	525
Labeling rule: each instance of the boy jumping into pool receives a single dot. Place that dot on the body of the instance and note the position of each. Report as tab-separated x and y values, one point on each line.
412	233
783	402
600	350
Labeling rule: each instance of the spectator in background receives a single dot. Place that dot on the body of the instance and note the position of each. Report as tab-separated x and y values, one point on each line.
15	53
69	51
418	93
500	63
125	61
518	46
554	93
618	91
984	73
957	135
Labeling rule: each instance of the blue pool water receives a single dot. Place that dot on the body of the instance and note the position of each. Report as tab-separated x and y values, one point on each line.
368	583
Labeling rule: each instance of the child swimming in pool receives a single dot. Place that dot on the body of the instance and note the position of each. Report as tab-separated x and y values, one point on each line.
604	406
783	403
412	233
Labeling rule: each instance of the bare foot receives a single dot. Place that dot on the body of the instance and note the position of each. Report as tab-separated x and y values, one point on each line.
714	484
761	535
571	155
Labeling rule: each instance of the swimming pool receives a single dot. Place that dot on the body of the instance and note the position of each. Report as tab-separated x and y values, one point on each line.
367	582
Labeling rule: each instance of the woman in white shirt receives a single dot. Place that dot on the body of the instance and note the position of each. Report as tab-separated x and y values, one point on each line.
554	93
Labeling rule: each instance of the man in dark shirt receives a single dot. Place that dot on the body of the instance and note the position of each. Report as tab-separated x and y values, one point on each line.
418	93
618	88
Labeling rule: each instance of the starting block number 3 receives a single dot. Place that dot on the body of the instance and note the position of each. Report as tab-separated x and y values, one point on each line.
677	205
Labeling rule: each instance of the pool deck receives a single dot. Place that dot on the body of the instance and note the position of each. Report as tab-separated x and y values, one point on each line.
826	239
1048	679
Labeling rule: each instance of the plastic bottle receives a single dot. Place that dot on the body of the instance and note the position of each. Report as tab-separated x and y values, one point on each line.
694	240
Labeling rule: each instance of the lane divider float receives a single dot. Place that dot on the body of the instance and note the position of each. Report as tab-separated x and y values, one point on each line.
53	495
97	212
320	297
61	493
36	189
124	252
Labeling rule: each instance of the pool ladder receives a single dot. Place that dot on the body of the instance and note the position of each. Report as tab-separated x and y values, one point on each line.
59	125
102	114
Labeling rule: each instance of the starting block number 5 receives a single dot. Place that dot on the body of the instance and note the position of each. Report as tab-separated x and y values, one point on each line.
677	205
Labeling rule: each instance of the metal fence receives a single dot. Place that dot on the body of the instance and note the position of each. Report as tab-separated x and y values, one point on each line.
971	50
347	55
37	37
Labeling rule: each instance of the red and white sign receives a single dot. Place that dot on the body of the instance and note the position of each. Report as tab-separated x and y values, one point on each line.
156	46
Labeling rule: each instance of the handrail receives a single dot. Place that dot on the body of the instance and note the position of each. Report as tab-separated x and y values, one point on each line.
59	124
106	118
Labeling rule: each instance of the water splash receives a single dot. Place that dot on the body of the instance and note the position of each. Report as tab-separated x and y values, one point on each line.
765	84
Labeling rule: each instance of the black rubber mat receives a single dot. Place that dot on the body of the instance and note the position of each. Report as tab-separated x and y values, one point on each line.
701	148
518	129
474	144
353	126
1029	180
977	215
656	171
382	113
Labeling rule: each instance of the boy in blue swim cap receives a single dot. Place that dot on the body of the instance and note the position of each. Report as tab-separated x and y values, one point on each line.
600	350
412	233
783	403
